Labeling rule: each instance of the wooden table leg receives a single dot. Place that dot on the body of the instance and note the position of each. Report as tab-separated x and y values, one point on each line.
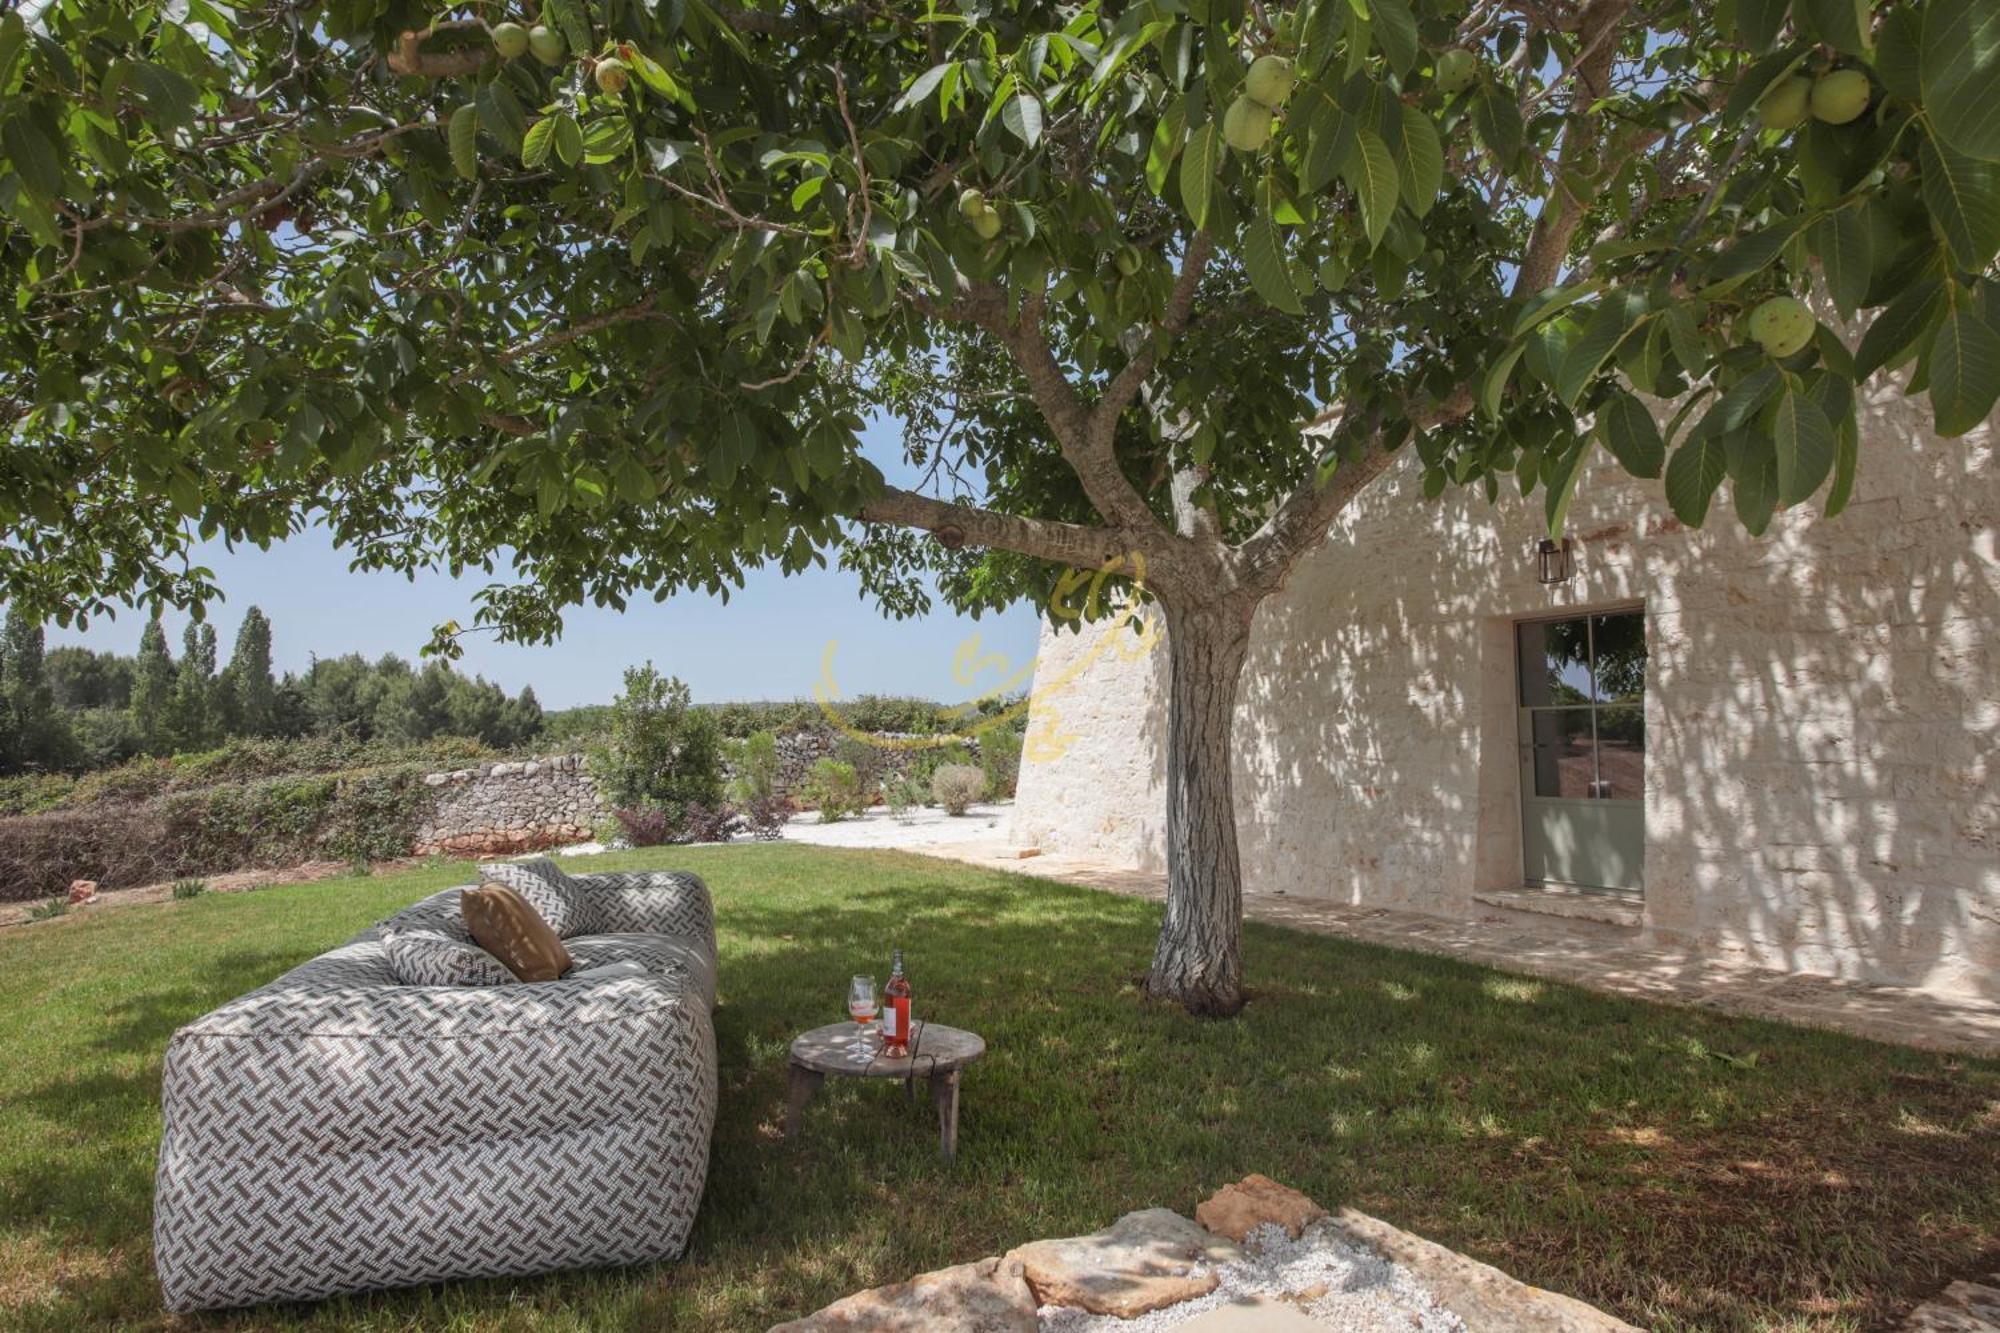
944	1095
805	1082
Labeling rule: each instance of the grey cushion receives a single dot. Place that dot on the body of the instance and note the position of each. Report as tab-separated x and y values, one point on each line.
424	957
553	895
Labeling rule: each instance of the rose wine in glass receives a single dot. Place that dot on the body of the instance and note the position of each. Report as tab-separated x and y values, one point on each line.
861	1007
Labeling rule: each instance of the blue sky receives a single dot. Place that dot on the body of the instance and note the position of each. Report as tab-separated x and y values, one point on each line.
767	643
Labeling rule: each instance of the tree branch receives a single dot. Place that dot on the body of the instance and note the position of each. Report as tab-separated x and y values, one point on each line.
1172	323
1597	29
1045	539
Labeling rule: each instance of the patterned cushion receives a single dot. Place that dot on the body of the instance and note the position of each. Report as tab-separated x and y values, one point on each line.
661	955
433	958
548	890
504	924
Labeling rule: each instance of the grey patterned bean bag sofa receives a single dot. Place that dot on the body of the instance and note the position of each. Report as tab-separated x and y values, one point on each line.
339	1130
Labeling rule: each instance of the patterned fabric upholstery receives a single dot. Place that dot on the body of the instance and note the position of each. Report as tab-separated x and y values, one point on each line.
336	1130
552	894
425	957
658	902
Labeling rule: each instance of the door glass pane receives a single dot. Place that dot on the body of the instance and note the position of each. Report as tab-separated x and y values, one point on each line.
1555	662
1562	755
1621	754
1619	642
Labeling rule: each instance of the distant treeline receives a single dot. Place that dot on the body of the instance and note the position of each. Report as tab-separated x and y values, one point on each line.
890	713
76	709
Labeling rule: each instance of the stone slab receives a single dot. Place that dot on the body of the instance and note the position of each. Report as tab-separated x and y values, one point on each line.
1484	1297
989	1296
1964	1307
1256	1314
1142	1262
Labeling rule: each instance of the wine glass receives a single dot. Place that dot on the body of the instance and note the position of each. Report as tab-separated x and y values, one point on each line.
861	1007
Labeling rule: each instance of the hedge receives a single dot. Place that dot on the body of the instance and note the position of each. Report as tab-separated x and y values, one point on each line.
373	815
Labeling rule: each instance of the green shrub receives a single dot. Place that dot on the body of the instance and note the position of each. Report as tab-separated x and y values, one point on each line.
189	887
833	787
957	786
925	763
48	908
869	761
755	759
1000	757
902	793
32	793
660	751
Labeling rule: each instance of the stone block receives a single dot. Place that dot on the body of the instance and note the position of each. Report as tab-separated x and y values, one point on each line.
1142	1262
989	1296
1236	1210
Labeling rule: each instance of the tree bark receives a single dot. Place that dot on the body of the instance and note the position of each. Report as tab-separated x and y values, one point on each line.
1198	962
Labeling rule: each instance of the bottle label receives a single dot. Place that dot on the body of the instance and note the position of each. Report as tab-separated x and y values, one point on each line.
890	1030
899	1015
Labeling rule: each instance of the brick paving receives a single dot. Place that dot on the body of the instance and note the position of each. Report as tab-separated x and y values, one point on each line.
1601	956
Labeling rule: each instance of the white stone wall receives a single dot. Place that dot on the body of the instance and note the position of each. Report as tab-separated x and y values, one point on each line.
1822	711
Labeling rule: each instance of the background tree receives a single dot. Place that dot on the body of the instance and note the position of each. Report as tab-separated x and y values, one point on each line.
191	721
33	735
622	314
252	688
153	690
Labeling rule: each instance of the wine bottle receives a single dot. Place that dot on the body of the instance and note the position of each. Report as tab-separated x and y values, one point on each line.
896	1012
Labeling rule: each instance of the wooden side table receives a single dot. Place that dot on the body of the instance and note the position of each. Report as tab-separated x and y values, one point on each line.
938	1053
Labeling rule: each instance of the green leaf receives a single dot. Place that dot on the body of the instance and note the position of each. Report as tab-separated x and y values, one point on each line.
1965	369
1684	335
1396	33
1963	195
1898	59
1614	318
1322	34
1631	434
569	138
463	135
1264	257
1023	117
569	16
926	83
1370	171
501	115
1166	145
1750	254
1497	375
35	159
1423	161
1330	139
1497	117
1696	470
1959	62
1803	438
1199	162
1846	456
537	143
1753	471
1843	25
1844	242
1562	483
1898	328
1758	21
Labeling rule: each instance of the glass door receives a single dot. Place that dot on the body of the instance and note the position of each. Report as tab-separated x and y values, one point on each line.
1583	750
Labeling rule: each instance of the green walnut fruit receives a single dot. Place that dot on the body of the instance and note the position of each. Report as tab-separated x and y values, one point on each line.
1246	126
1782	325
1840	96
1269	81
510	40
986	225
1784	107
971	203
1456	70
612	74
547	44
1128	260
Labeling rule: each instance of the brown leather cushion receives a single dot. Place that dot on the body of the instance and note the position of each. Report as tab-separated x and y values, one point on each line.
505	926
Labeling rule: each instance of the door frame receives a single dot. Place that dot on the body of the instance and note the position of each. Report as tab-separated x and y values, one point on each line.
1523	779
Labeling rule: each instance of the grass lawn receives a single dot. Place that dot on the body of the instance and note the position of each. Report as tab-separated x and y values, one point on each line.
1684	1169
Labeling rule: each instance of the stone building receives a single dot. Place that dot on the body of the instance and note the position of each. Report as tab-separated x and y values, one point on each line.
1779	749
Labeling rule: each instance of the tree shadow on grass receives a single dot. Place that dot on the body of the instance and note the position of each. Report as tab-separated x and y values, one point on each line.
1686	1168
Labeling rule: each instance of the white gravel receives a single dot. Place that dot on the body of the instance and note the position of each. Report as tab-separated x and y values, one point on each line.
925	826
1330	1280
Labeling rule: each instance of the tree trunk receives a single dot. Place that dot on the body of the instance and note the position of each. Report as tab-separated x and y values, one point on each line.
1199	962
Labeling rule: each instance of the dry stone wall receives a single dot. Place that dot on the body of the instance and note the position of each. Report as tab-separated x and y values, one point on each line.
505	808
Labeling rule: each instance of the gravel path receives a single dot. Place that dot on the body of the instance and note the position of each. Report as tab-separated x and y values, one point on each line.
1335	1283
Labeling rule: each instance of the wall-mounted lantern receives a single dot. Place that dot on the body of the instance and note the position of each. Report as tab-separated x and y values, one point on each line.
1555	562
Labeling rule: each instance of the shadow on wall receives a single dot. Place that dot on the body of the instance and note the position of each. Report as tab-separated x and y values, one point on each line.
1822	710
